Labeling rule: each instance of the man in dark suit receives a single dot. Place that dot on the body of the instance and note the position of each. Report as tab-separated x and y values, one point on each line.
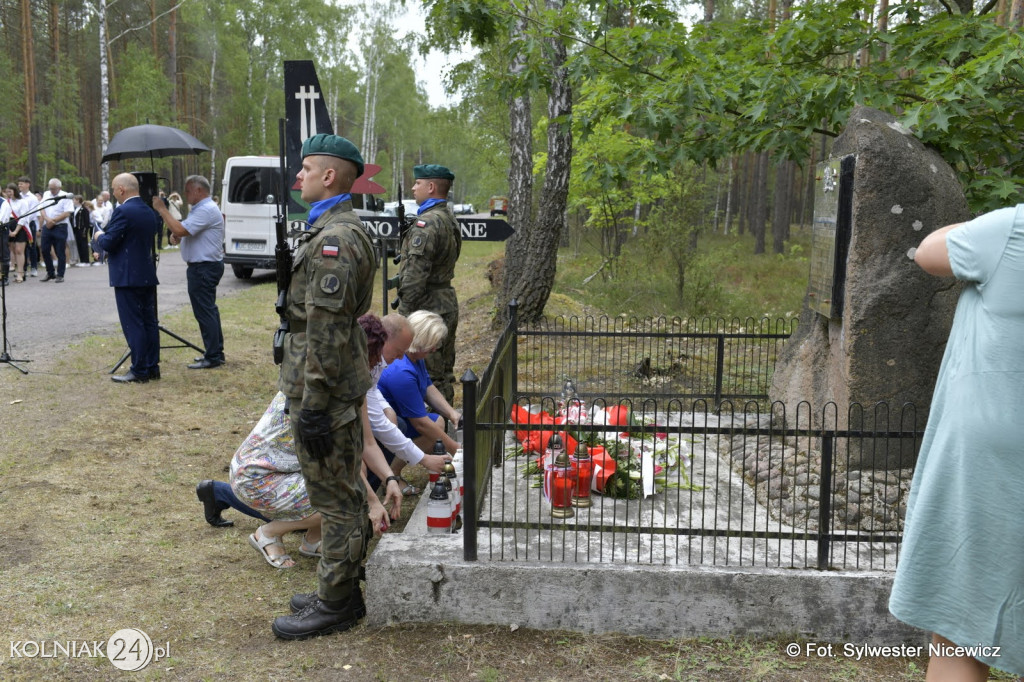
128	240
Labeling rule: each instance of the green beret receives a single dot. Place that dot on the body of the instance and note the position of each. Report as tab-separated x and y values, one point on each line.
333	145
432	170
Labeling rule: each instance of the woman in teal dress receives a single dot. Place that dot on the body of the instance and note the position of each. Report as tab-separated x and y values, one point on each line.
961	569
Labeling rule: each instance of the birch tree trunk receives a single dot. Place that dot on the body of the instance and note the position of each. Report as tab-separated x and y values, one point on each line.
533	285
248	88
730	186
104	91
520	181
213	126
263	120
371	60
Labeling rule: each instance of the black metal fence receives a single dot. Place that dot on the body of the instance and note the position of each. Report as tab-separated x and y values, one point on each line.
637	358
705	481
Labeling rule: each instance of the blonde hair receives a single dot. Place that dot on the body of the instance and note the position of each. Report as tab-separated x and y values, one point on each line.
428	330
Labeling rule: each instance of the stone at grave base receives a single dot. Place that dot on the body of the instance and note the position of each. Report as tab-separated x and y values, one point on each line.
888	344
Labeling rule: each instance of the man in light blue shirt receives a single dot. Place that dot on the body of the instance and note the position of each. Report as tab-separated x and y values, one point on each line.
201	236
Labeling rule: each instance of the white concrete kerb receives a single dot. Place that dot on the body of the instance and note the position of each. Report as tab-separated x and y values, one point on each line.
415	578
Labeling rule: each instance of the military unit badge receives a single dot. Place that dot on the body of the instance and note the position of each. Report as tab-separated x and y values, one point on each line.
417	241
329	284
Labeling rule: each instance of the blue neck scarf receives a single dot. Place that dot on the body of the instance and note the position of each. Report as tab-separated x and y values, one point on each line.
429	203
318	208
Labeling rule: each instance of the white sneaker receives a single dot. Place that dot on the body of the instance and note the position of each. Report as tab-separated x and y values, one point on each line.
81	265
97	264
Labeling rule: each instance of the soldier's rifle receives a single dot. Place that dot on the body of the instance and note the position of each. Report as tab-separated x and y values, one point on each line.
400	212
282	252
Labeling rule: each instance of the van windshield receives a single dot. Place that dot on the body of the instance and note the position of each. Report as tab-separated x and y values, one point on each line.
253	185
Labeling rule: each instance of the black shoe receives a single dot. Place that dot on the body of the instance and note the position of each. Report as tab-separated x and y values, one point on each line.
204	491
356	603
154	374
205	364
58	280
317	619
48	278
129	378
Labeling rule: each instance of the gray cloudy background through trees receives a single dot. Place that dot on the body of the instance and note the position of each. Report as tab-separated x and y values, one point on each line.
604	122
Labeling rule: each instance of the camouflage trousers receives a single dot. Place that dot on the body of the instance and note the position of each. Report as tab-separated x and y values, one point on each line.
441	363
336	491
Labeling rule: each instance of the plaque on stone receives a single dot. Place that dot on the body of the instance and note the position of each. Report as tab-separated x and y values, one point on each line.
830	235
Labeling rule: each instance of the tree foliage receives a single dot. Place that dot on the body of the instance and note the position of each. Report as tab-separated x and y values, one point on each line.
215	70
707	92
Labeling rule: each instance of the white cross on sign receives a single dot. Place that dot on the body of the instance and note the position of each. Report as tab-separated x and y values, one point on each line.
308	121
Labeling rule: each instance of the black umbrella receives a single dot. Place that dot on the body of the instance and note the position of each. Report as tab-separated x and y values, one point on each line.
153	141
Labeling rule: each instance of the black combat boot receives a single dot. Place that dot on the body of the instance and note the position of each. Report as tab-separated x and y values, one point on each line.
356	603
317	619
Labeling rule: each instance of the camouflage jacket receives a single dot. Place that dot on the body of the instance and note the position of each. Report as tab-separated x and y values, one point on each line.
325	353
429	253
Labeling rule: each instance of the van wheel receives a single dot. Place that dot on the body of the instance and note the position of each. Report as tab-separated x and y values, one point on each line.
241	272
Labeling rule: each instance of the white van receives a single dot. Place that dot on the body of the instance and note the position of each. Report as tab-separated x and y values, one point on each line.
249	204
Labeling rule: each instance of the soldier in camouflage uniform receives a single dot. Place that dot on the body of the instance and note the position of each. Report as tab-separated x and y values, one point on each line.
325	375
429	252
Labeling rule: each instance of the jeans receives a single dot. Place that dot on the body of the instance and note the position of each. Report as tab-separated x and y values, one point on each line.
225	497
55	237
203	278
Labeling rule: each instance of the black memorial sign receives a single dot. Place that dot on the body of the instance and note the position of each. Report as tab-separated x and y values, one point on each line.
473	229
830	235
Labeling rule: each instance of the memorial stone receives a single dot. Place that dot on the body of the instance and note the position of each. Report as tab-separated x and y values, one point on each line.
887	341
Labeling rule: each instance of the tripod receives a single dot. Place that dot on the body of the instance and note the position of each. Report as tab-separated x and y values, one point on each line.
160	327
5	264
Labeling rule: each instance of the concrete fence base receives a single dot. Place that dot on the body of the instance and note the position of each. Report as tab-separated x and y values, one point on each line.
413	578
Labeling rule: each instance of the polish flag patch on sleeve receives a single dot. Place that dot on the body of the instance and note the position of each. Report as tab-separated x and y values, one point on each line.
330	251
421	223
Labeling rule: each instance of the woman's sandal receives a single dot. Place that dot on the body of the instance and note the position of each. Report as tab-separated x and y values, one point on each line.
260	544
310	549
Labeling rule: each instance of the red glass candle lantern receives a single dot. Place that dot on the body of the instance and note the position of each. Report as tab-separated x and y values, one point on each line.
583	465
559	484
